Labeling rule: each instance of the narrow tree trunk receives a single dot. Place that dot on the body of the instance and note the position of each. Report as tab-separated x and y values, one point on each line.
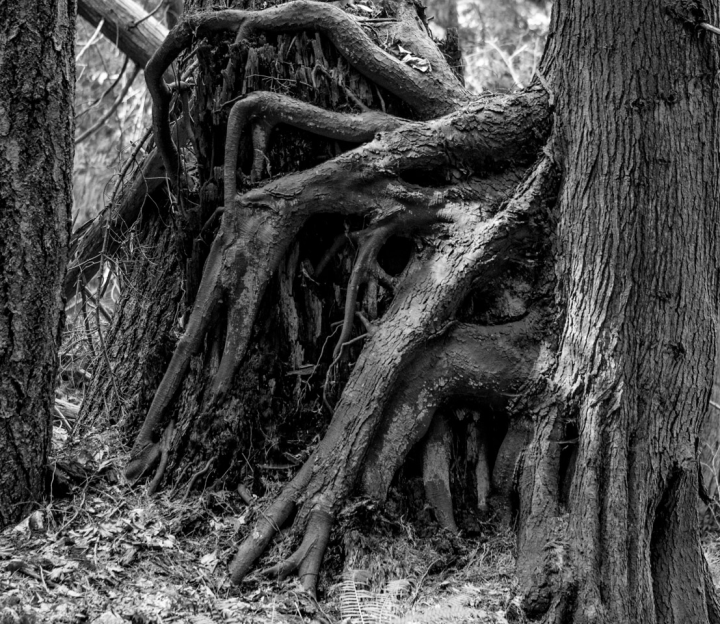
37	77
637	134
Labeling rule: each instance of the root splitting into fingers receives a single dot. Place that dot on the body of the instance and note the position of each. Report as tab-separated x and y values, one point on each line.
306	560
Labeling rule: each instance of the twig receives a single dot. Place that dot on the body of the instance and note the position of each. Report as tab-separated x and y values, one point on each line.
178	480
118	100
137	23
245	495
164	453
24	568
62	418
334	363
129	163
709	27
75	515
92	40
104	93
86	321
196	476
85	292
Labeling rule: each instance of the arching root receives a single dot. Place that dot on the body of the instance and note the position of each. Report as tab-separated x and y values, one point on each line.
471	361
265	110
431	94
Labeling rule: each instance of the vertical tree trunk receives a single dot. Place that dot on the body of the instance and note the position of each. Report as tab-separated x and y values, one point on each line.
637	134
37	77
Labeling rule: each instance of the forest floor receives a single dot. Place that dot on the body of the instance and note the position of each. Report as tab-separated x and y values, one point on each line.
107	553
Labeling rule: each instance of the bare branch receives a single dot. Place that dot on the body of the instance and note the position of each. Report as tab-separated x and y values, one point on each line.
118	17
110	111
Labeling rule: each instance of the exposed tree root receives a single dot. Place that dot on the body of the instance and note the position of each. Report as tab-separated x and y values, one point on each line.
272	520
268	109
164	451
256	233
423	306
455	173
503	129
471	361
200	473
306	560
436	471
430	94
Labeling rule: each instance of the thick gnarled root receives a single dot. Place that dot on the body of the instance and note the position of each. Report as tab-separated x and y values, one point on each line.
471	361
421	308
252	241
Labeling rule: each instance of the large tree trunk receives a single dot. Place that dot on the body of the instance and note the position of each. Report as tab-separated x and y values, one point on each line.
587	314
636	133
37	78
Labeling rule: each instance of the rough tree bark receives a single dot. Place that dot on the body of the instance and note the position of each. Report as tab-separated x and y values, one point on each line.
636	131
37	78
563	271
